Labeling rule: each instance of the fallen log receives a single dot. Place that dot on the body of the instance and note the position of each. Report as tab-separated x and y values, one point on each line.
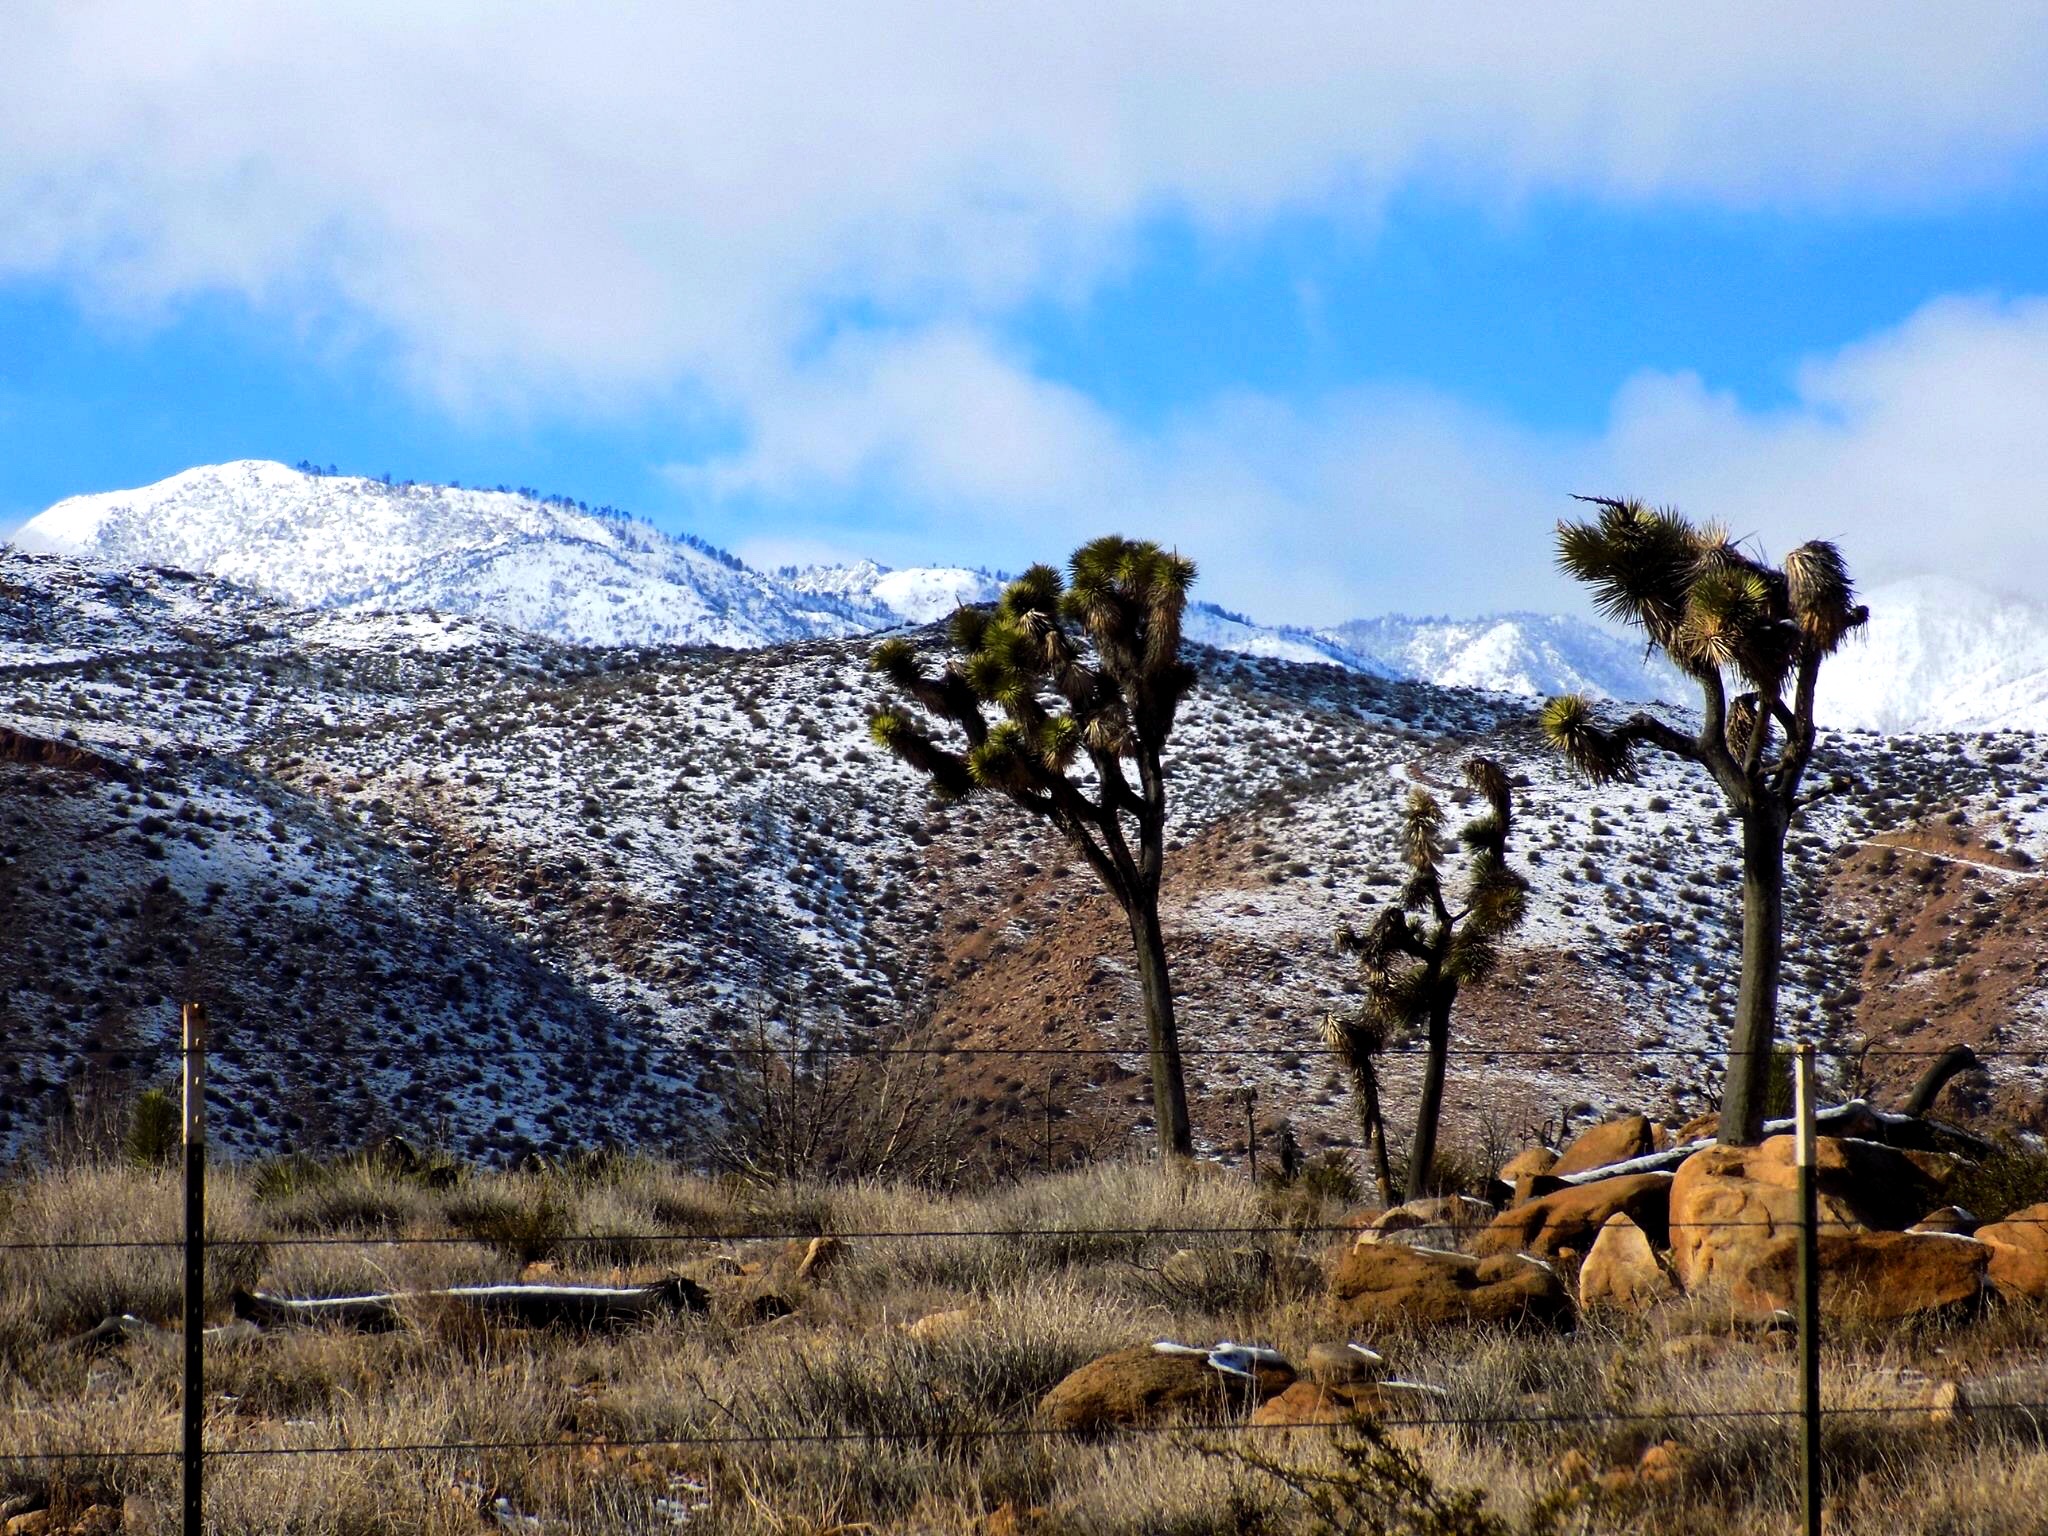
127	1328
1956	1059
589	1307
1857	1120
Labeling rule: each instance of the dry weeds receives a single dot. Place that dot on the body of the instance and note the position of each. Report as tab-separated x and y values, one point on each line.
839	1417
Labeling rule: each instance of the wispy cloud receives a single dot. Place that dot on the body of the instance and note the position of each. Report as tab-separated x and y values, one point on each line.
1918	447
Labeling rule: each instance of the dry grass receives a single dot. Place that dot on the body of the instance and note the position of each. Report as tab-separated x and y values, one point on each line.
838	1417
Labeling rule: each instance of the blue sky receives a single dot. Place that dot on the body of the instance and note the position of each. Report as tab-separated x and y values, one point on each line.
1344	311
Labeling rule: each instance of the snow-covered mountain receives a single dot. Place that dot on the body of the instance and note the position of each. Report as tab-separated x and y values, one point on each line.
343	541
558	569
1532	654
914	595
1941	655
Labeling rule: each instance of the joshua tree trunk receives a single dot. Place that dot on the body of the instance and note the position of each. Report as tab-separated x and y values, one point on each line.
1422	1151
1169	1091
1365	1086
1747	1088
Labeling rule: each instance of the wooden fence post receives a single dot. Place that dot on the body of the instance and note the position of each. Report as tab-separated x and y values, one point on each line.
1809	1286
193	1403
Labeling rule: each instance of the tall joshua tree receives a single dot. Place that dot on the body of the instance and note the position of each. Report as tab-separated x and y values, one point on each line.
1420	950
1738	626
1063	692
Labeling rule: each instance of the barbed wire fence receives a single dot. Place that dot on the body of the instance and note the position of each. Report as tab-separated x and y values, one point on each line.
1805	1417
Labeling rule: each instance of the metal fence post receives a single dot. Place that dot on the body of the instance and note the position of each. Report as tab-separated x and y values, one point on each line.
1251	1130
194	1398
1809	1286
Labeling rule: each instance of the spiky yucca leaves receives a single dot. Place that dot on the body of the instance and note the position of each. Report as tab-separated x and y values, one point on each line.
1752	636
1418	951
1064	674
1722	616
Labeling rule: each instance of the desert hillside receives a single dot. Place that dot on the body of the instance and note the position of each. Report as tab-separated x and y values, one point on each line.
531	896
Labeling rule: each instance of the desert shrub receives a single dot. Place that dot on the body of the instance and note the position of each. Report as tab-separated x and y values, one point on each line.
1378	1488
526	1224
154	1132
2011	1176
1330	1179
343	1198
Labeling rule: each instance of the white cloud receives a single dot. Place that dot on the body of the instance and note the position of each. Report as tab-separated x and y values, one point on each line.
1919	449
555	207
539	199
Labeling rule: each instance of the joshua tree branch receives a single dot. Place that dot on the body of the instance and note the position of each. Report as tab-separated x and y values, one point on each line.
1799	738
1767	709
1648	728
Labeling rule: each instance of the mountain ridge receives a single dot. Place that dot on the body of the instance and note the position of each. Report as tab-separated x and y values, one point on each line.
1936	656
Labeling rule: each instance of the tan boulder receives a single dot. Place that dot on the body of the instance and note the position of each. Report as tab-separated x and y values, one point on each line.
1614	1141
1386	1284
1573	1216
1341	1364
1441	1221
1310	1404
1528	1163
1667	1464
1729	1203
1621	1269
2019	1253
1006	1519
949	1324
1698	1128
1532	1186
1143	1386
1872	1275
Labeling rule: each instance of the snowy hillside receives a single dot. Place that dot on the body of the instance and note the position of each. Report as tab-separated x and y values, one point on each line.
342	541
1941	655
914	595
559	570
540	892
1938	655
1531	654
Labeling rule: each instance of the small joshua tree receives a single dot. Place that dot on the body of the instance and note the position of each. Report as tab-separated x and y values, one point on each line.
1084	673
1724	618
1420	950
1355	1039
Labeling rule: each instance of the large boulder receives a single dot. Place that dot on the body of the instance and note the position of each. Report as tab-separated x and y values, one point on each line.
1309	1404
1386	1284
1143	1386
1729	1203
1877	1276
1439	1221
1621	1269
1614	1141
1335	1364
1573	1216
1529	1163
2019	1253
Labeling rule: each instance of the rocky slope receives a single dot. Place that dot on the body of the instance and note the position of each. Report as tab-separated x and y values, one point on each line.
443	876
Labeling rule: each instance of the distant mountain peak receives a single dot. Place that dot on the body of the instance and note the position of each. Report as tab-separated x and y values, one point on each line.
552	566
